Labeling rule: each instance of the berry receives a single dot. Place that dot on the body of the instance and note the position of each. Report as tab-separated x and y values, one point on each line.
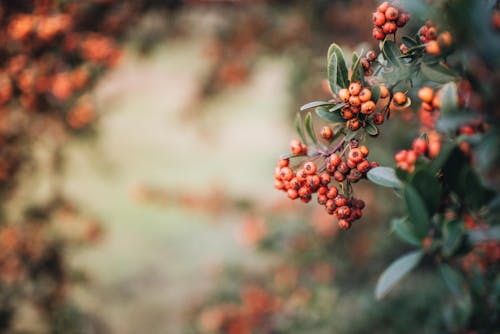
432	48
378	119
296	146
326	132
335	159
419	145
401	156
292	193
301	175
411	157
391	14
384	91
330	206
402	19
304	191
322	199
383	7
344	94
399	98
279	185
355	155
322	190
338	176
364	150
354	175
340	201
354	101
332	192
351	164
343	212
371	55
389	28
354	88
313	181
283	162
378	33
347	113
343	168
286	173
426	94
310	168
365	63
365	95
294	184
445	39
368	107
364	166
378	19
353	124
344	224
325	179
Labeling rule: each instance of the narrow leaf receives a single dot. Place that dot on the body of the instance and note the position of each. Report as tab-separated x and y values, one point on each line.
337	107
395	272
453	279
315	104
371	128
417	211
409	42
391	52
405	231
384	176
449	98
329	116
309	128
357	70
438	73
336	60
298	127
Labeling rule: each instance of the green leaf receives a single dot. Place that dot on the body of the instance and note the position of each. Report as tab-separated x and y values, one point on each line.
405	231
337	107
298	127
453	280
357	70
375	93
291	155
391	52
489	234
384	176
438	73
444	154
409	42
452	121
428	188
371	128
329	116
395	272
315	104
309	128
453	233
337	69
417	211
449	98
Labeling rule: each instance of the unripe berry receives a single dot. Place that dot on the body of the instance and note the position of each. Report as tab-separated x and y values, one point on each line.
426	94
399	98
371	55
384	91
344	224
432	48
325	179
332	192
355	155
378	19
338	176
344	94
326	132
310	168
389	28
378	119
353	124
335	159
365	95
286	173
368	107
391	14
292	193
354	88
378	33
283	162
419	145
364	166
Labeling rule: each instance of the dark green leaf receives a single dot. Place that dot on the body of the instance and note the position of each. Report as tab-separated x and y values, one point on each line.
409	42
331	117
375	93
452	121
391	52
384	176
405	231
453	233
489	234
453	279
357	70
428	188
449	98
371	128
395	272
315	104
298	127
417	211
337	107
337	69
438	73
444	154
309	128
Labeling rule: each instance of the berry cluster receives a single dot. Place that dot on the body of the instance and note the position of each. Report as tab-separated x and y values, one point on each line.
349	165
420	147
360	105
434	42
387	19
429	109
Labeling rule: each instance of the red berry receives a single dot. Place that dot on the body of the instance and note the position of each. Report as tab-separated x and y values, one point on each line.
292	193
343	212
332	192
322	199
419	145
355	155
383	7
378	119
389	28
335	159
279	185
378	19
301	175
325	179
330	206
286	173
364	166
283	162
326	132
310	167
391	14
323	190
339	177
340	200
378	33
344	224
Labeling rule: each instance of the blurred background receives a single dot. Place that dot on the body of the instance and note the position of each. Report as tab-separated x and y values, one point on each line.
137	146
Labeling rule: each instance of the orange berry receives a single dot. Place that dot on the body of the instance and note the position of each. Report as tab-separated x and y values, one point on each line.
364	166
401	156
325	179
301	175
434	148
378	19
378	119
427	107
344	94
351	164
391	14
304	191
419	145
432	48
283	162
389	28
368	107
279	185
426	94
313	181
354	101
347	113
436	102
371	55
343	212
344	224
383	7
296	146
354	88
364	150
310	168
338	176
445	39
355	155
340	200
292	193
332	192
378	33
326	132
322	199
384	91
286	173
365	95
411	157
335	159
353	124
399	98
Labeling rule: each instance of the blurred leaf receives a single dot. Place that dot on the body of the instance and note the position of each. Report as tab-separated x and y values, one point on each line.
298	127
409	42
291	155
384	176
405	231
337	69
453	279
417	211
375	93
484	235
309	128
329	116
438	73
371	128
391	52
449	98
315	104
453	233
428	188
357	70
395	272
451	122
337	107
447	149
